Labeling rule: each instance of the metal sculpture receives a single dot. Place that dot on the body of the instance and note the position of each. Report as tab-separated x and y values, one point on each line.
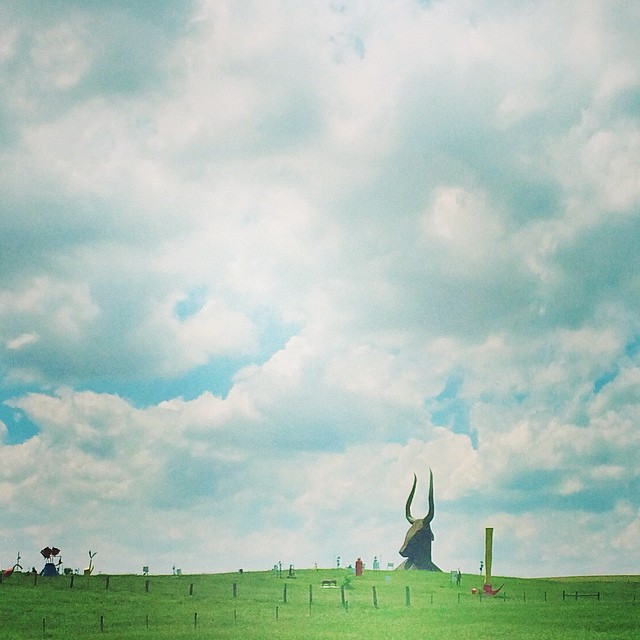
488	559
7	572
417	543
89	570
49	554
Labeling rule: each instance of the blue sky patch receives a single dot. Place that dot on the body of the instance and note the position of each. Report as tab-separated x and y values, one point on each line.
632	347
604	379
19	427
191	304
451	411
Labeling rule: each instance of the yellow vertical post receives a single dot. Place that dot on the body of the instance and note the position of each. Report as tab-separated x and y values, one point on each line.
488	552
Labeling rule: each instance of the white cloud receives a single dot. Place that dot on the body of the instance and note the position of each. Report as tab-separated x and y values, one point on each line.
466	225
22	340
396	237
185	343
60	56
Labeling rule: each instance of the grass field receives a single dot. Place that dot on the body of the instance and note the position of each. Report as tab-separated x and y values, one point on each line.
410	606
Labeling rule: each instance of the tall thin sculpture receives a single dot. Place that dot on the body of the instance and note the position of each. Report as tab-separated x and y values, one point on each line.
488	559
417	543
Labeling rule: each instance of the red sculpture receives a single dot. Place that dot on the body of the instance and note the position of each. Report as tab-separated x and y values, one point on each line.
7	572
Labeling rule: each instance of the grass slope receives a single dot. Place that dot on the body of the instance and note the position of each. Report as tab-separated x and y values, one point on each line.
176	607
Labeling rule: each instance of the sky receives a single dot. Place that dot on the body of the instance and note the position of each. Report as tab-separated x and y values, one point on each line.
262	261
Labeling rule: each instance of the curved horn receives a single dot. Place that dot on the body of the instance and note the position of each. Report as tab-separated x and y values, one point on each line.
410	499
432	510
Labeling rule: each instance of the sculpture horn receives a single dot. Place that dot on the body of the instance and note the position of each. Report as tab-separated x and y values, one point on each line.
410	518
432	509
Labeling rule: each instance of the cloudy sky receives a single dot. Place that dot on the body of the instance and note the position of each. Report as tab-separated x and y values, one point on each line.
262	261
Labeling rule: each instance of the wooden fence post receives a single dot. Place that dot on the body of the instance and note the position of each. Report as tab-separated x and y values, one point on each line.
375	598
407	596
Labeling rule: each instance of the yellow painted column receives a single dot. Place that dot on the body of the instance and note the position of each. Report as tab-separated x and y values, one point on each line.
488	553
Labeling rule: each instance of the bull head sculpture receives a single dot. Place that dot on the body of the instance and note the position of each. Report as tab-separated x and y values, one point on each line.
417	543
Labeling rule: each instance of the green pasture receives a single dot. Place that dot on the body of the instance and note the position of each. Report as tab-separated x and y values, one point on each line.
410	606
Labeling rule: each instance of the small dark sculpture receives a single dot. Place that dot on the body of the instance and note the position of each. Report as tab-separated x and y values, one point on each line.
417	543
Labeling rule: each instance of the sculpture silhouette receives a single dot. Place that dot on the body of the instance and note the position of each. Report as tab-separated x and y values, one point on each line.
417	543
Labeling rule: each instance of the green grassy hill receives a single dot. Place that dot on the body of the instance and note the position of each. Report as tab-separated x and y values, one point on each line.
379	605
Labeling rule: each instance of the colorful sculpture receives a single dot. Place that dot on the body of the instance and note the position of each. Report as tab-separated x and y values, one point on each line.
417	543
7	572
49	554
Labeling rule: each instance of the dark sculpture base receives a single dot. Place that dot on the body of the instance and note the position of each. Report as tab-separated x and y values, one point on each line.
409	566
49	569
